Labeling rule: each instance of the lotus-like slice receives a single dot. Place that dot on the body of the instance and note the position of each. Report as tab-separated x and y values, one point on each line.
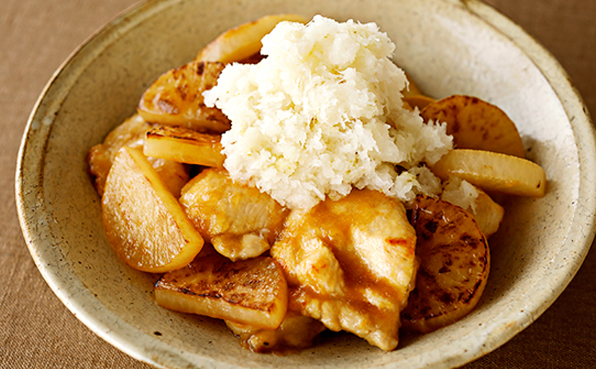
454	265
143	220
493	171
476	124
185	146
242	42
251	292
176	98
131	133
352	264
240	221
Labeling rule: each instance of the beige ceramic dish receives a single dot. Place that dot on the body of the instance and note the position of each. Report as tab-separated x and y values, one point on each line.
448	47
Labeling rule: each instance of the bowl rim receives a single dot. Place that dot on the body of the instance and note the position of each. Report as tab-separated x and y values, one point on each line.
583	131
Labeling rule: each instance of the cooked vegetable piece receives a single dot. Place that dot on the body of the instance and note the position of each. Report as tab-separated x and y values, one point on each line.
175	175
476	124
131	133
417	101
252	292
185	146
176	98
487	213
454	265
242	42
143	220
240	221
492	171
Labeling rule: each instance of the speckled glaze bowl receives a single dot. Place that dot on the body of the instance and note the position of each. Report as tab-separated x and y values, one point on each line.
447	46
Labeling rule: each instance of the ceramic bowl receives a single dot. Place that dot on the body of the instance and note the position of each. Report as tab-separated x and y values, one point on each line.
447	46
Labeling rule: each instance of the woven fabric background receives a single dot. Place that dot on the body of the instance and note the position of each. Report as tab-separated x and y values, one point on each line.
37	331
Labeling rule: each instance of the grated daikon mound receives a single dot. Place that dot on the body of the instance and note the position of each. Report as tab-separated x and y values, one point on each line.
321	114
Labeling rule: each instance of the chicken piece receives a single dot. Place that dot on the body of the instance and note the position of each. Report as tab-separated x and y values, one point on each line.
131	133
239	220
295	332
352	263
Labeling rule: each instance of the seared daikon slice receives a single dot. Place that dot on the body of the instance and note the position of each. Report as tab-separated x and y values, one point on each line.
176	98
252	292
486	212
493	171
184	146
239	43
454	265
145	223
476	124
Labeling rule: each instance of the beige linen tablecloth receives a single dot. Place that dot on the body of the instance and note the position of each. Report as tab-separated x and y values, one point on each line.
36	329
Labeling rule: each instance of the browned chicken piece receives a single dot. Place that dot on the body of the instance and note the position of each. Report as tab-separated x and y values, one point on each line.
131	133
252	292
240	221
352	263
454	265
176	98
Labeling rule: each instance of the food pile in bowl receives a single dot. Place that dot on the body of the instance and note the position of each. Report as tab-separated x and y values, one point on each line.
292	179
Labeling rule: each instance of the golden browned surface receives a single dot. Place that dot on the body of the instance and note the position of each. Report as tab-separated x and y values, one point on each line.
185	146
476	124
144	222
131	133
252	292
176	98
242	42
454	265
240	221
351	263
493	171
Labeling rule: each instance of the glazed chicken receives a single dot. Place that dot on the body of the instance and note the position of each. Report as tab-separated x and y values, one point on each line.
351	264
240	221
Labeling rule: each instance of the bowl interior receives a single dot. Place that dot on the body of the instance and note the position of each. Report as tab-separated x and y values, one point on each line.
447	47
